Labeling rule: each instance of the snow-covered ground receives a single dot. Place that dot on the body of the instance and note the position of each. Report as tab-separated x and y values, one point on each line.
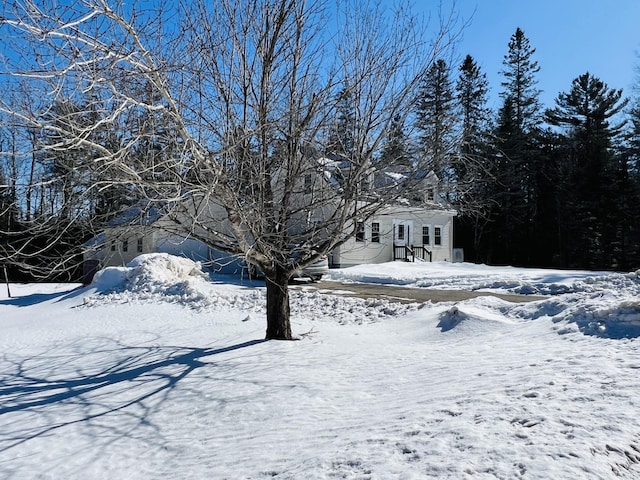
157	371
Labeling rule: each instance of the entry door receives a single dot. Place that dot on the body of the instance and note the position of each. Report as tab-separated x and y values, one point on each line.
402	231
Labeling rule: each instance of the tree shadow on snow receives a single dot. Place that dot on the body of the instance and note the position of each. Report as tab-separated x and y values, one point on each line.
36	298
44	393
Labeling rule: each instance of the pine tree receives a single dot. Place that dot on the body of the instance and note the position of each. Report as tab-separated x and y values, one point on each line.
472	90
517	146
597	181
436	119
632	164
520	83
342	131
472	166
396	148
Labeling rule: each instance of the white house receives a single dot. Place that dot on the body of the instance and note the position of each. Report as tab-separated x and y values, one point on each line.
419	228
145	228
416	230
399	233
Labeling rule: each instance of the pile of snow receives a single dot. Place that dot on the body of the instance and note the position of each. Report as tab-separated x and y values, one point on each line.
160	277
152	273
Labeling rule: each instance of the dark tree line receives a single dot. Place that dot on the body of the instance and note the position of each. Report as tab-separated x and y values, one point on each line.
535	187
567	179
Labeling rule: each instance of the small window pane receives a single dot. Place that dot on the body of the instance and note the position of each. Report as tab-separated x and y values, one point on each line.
360	232
426	240
375	232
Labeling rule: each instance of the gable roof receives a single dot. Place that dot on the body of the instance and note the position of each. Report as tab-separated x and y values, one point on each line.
143	213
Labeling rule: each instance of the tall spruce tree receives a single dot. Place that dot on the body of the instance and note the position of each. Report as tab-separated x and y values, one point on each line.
396	150
595	228
632	163
520	83
436	120
473	167
342	132
516	144
472	89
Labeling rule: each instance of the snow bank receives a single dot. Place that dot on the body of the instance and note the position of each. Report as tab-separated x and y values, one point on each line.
594	303
478	277
154	272
603	314
165	278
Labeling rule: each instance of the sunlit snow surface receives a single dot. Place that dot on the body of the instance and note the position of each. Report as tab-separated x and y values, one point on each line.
156	371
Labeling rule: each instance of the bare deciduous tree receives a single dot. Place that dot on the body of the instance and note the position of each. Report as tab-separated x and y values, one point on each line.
245	93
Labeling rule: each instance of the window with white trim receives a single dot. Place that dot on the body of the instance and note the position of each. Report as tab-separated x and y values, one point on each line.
375	232
437	235
430	197
426	238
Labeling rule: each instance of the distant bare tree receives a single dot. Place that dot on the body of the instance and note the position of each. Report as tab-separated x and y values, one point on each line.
245	93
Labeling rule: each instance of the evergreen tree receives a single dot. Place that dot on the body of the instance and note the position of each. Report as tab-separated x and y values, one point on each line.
66	163
396	148
595	226
516	142
632	164
520	83
472	90
436	119
342	132
472	166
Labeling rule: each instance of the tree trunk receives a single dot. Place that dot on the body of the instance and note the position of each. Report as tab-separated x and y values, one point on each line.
278	312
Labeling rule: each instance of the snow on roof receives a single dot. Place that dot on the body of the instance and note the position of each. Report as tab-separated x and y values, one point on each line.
145	212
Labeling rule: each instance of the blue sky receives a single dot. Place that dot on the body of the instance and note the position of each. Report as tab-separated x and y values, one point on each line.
571	37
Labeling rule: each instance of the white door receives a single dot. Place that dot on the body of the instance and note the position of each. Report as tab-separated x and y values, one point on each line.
402	232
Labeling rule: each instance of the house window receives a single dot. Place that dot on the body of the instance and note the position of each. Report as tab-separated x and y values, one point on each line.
125	245
360	232
437	235
308	180
113	245
400	231
426	240
375	232
430	194
140	245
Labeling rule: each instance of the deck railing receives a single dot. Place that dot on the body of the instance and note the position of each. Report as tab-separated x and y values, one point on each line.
410	253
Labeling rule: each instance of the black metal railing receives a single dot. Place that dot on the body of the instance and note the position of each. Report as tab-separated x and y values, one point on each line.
410	253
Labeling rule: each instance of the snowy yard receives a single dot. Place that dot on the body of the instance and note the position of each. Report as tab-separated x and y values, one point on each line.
158	372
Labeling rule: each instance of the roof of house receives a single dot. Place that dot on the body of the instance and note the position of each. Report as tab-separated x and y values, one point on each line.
144	212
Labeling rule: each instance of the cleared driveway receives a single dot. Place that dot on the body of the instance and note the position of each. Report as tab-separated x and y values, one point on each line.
400	294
